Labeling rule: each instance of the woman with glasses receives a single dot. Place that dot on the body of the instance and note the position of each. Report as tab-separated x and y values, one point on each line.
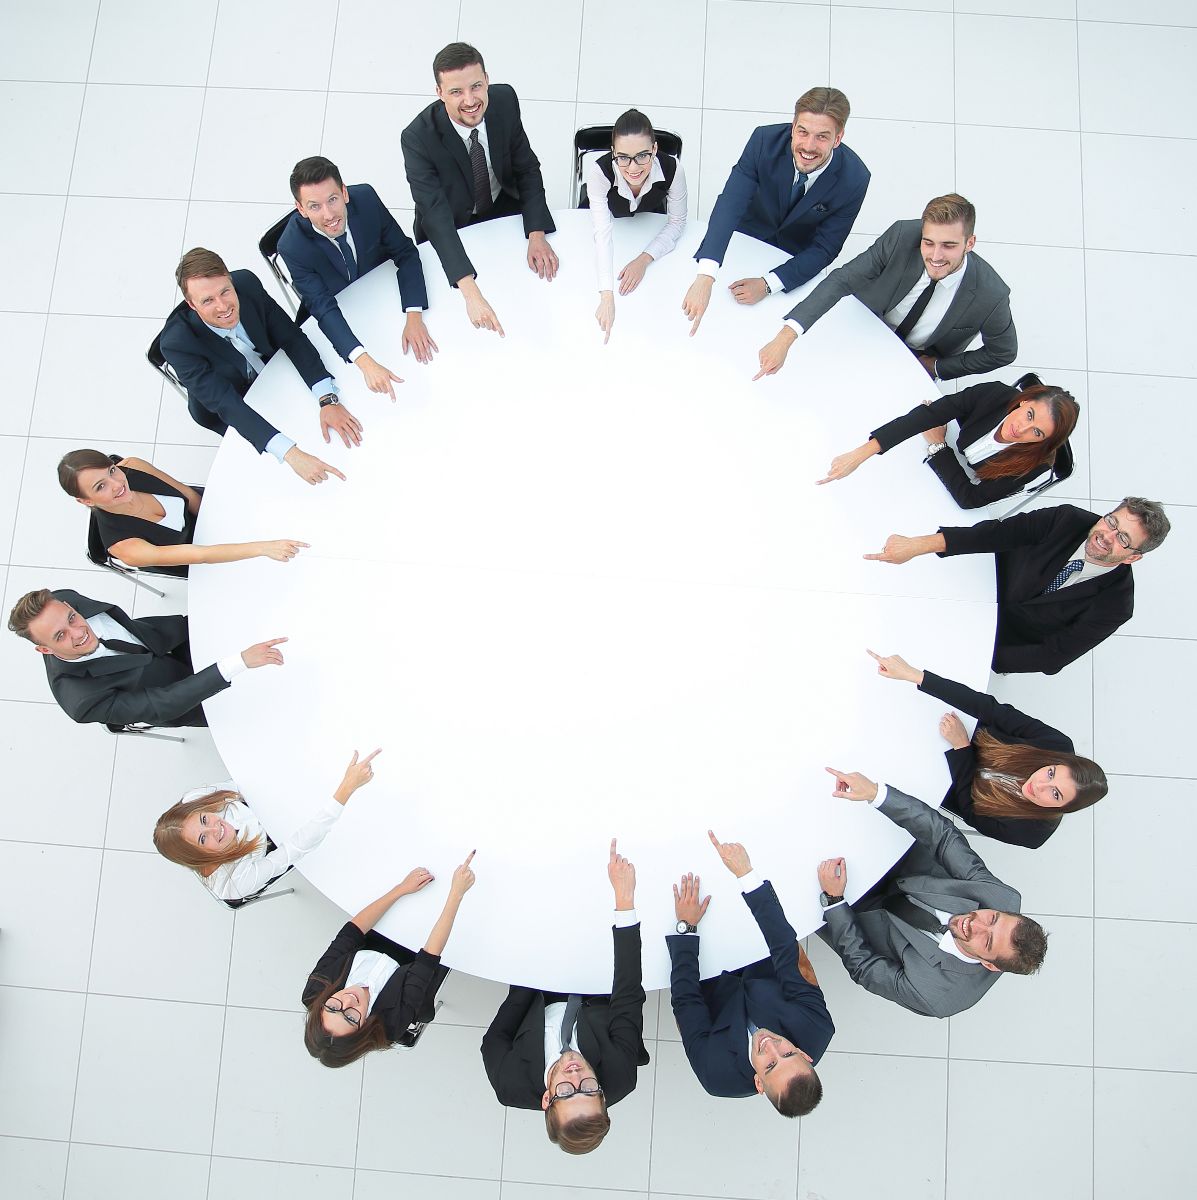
1016	777
1007	437
632	178
215	833
147	519
366	991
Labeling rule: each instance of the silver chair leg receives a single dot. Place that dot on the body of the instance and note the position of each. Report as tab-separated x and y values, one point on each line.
268	896
132	575
150	733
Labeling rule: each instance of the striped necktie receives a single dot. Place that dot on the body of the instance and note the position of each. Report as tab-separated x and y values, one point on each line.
1068	571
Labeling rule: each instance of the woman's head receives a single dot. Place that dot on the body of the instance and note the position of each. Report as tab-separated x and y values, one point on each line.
93	478
1050	782
337	1030
633	144
194	834
1037	423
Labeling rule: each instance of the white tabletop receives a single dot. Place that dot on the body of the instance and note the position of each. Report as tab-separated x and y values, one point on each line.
580	591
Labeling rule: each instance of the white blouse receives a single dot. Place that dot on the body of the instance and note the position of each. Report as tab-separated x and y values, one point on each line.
371	969
985	447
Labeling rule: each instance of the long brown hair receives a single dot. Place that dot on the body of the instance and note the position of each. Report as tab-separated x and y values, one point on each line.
70	464
1024	457
348	1047
1022	761
169	841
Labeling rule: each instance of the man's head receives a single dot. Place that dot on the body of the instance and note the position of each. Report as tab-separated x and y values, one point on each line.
575	1113
461	83
820	115
948	224
1000	941
1136	527
208	288
784	1073
320	194
53	626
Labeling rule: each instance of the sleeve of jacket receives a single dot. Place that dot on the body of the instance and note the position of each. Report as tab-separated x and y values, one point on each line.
921	417
333	964
626	1011
416	981
993	537
528	179
846	280
82	699
1107	612
733	201
830	235
285	335
968	493
989	711
403	253
499	1038
999	346
689	1008
433	208
315	293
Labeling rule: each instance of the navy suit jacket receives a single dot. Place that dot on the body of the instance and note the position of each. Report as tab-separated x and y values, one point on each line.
319	272
213	371
756	201
713	1017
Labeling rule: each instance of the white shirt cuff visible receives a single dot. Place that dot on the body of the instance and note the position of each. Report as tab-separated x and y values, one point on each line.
774	282
327	386
708	266
751	881
356	353
794	326
231	666
415	308
625	917
841	900
879	799
278	445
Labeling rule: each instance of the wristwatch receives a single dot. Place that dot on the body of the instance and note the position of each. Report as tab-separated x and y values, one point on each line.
686	927
934	449
768	289
826	901
331	398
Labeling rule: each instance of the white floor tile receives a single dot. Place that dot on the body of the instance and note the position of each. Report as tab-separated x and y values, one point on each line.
379	48
38	122
141	41
924	5
386	1185
469	1000
724	136
1020	8
29	243
48	43
273	44
501	35
33	1170
43	1111
1152	12
538	1191
100	1172
278	1180
550	126
1064	701
20	347
1161	608
13	449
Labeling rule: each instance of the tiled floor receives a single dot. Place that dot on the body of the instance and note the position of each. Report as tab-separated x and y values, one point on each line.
148	1039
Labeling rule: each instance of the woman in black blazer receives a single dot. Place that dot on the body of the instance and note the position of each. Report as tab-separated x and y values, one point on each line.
1016	777
1007	437
366	990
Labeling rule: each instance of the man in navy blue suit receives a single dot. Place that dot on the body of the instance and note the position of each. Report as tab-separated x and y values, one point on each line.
796	187
758	1030
337	234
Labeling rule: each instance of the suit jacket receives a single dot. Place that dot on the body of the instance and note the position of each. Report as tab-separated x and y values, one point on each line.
442	180
213	371
319	272
979	409
890	267
756	201
1037	632
156	685
713	1017
1007	724
610	1034
894	959
407	996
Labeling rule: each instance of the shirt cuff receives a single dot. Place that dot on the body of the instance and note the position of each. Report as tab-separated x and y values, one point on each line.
231	666
356	353
775	284
750	882
278	445
793	325
708	266
625	917
326	386
414	308
841	900
879	799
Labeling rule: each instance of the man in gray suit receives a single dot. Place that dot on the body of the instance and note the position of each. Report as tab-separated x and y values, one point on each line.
936	932
922	280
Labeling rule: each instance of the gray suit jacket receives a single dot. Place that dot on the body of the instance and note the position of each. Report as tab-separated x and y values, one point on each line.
890	267
893	959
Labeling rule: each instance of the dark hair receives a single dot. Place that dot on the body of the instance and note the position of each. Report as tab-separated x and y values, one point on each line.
28	608
800	1096
71	464
1021	761
1028	946
453	57
580	1135
314	170
950	210
633	123
199	264
1155	522
824	101
1024	457
349	1047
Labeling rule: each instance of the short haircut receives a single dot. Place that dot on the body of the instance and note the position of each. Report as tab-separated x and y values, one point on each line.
27	609
824	101
314	170
800	1096
1028	947
633	123
75	461
580	1135
951	209
1155	521
199	264
453	57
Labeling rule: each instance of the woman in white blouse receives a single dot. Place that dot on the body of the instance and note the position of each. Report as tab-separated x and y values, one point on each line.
632	178
215	833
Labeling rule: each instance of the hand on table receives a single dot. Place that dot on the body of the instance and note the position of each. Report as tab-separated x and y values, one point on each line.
833	876
633	273
844	464
938	434
541	257
748	291
772	355
852	785
695	302
336	418
308	467
479	312
951	729
417	339
686	904
898	549
378	378
927	363
735	857
622	875
263	654
415	879
605	314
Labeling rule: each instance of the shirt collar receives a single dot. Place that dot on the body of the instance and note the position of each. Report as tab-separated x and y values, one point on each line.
811	176
238	330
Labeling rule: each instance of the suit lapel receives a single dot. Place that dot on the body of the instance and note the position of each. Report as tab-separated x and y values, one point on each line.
221	347
960	303
815	192
1075	591
454	146
256	328
912	269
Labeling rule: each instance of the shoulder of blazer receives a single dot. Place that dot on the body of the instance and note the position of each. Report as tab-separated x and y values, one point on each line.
364	194
851	166
902	237
985	278
248	284
85	606
297	230
504	93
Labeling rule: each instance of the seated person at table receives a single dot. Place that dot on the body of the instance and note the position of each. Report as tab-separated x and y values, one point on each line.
336	235
102	665
796	187
574	1056
632	178
938	929
758	1030
468	159
366	990
219	347
922	280
215	833
147	519
1007	439
1016	777
1064	581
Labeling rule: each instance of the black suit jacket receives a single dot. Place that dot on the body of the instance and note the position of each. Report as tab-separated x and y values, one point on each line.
156	685
1037	632
713	1017
442	181
1007	724
610	1034
213	371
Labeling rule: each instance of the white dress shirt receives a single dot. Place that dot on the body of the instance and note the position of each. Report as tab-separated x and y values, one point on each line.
371	969
104	626
985	447
1088	570
463	132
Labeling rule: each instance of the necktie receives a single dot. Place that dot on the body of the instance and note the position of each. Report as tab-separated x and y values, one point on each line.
482	200
1067	572
253	360
799	188
121	647
572	1007
347	255
914	914
912	317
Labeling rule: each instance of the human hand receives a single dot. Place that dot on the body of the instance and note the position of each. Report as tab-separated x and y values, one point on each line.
833	876
282	550
927	363
938	434
605	314
898	549
749	291
463	877
951	729
772	355
686	905
417	339
735	857
336	418
844	464
695	302
541	257
308	467
852	786
378	378
357	775
263	654
893	666
480	314
622	875
633	273
414	880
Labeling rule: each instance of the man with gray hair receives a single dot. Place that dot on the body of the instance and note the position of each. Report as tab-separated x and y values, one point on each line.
1064	581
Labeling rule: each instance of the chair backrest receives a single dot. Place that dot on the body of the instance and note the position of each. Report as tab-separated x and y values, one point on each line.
97	552
596	139
268	246
157	359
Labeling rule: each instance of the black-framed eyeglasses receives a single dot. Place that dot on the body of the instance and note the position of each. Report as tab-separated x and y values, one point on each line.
626	160
350	1014
1123	538
586	1087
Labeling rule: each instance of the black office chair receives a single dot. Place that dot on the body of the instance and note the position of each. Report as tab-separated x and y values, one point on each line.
263	893
1059	471
203	417
593	139
268	245
410	1038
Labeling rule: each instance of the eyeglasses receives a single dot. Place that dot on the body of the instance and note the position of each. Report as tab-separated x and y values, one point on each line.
1123	538
587	1087
626	160
350	1014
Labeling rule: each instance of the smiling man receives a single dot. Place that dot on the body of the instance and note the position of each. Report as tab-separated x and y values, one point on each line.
923	280
939	928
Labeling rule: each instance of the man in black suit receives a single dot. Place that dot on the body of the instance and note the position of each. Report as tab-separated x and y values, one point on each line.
336	235
220	342
758	1030
105	666
573	1056
1064	581
468	159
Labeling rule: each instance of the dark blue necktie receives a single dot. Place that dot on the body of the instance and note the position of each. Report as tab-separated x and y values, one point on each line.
347	255
1066	573
799	188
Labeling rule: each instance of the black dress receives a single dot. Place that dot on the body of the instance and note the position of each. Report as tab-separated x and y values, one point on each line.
116	527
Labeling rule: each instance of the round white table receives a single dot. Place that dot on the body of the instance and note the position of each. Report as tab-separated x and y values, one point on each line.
579	591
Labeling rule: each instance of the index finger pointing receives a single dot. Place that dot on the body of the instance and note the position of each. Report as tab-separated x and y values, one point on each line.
370	756
276	641
613	848
469	858
714	840
337	473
